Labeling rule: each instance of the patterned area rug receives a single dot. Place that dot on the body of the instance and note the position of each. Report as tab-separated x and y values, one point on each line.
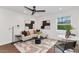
31	47
27	48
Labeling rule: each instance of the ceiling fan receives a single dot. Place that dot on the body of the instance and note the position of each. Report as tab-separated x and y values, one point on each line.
34	9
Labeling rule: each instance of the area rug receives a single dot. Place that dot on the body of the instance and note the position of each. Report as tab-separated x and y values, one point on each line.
27	48
31	47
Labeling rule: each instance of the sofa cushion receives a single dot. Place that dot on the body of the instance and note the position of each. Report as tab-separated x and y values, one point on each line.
31	32
26	38
33	35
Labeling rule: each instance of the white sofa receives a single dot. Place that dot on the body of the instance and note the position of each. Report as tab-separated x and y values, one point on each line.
24	38
30	36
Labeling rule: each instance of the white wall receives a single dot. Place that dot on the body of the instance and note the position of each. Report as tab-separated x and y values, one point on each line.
7	20
10	18
53	32
74	20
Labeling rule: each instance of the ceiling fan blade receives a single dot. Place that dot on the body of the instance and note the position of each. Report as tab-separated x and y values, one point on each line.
40	10
28	8
33	12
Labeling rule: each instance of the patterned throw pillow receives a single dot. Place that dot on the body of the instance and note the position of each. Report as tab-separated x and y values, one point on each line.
24	33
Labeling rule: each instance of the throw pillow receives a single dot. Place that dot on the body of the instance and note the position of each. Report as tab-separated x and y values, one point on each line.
24	33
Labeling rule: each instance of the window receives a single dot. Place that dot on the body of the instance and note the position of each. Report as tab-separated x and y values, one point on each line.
63	22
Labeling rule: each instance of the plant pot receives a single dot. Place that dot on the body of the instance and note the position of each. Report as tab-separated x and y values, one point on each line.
38	41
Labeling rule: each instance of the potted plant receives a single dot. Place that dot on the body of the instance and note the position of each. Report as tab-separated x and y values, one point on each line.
38	40
68	28
39	34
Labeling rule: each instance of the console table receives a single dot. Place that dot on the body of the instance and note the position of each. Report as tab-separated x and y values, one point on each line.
18	38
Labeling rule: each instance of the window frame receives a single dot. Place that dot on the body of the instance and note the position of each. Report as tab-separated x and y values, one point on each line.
61	30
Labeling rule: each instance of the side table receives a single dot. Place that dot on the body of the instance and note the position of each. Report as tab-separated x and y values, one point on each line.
18	38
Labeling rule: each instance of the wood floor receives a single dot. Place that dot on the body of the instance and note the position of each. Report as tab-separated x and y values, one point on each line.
8	48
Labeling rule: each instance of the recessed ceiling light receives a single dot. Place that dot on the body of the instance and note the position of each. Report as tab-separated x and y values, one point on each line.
60	9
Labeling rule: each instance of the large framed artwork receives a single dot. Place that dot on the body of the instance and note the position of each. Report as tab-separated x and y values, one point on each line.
29	24
45	24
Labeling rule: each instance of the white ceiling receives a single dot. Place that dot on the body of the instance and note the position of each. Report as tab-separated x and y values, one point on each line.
49	9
